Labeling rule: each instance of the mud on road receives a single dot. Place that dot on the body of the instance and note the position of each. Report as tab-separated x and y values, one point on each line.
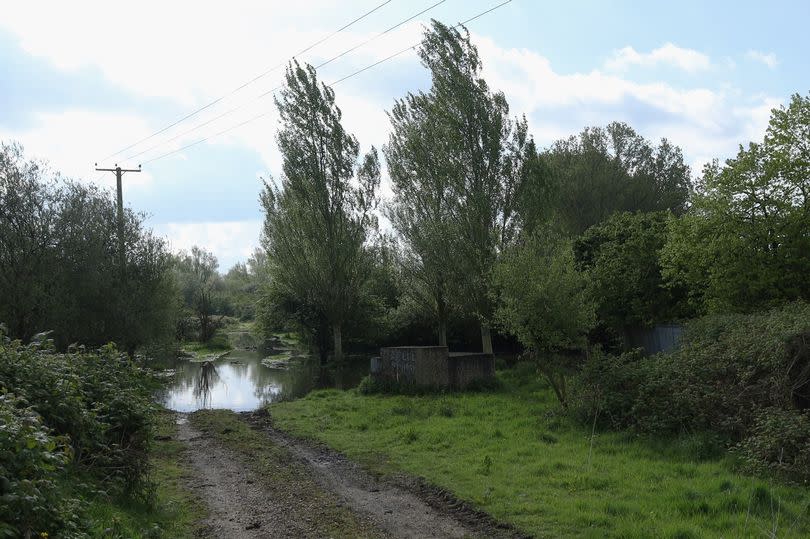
260	482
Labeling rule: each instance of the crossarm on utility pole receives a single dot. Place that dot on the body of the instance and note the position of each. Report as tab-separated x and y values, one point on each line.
118	173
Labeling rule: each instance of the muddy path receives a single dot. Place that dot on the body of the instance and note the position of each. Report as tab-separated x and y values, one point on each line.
304	490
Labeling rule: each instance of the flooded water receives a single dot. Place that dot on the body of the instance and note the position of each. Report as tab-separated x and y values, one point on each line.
240	382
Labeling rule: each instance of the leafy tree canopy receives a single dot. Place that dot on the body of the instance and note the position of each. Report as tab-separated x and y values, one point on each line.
745	243
621	259
612	169
319	219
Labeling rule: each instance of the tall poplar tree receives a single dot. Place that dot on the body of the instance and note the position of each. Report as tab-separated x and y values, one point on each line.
420	208
318	221
459	167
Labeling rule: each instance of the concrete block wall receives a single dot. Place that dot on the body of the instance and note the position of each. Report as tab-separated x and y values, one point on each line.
431	366
465	368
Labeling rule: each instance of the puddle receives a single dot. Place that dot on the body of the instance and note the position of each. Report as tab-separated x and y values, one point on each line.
240	382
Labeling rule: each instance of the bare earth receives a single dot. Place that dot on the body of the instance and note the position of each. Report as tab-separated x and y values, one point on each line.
243	506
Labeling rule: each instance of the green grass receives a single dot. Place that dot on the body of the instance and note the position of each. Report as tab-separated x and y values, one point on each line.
289	338
204	349
512	454
287	481
174	512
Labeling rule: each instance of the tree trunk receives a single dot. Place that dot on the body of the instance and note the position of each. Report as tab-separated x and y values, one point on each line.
486	338
338	342
442	323
441	305
442	332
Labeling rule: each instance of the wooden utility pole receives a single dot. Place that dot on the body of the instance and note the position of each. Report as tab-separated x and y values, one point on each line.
118	173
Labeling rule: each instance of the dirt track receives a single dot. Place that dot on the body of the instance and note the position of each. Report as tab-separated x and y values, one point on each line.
323	494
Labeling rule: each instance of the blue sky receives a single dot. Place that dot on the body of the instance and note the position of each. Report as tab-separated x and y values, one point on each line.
81	80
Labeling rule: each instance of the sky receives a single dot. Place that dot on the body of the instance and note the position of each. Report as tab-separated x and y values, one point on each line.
80	81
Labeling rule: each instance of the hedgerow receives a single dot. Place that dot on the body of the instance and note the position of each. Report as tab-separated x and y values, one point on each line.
84	410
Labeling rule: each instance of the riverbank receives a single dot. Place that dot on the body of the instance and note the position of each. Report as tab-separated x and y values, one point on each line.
511	454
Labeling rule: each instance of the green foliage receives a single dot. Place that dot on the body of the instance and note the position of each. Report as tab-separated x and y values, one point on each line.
463	176
200	288
743	245
614	169
621	259
31	458
59	263
728	367
69	422
100	401
240	287
543	302
420	209
542	295
742	378
779	445
475	177
318	221
606	388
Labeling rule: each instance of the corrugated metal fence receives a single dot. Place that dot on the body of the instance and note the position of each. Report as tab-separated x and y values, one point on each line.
662	338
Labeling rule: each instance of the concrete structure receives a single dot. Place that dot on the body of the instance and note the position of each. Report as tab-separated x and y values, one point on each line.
431	366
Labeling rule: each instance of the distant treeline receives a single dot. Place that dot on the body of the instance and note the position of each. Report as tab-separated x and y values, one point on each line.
546	250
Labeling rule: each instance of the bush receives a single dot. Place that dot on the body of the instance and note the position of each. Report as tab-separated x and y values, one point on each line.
779	444
727	369
607	388
30	458
742	378
100	401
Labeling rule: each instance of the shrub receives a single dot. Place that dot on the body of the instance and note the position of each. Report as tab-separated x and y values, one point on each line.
779	444
30	459
100	401
742	378
728	368
607	388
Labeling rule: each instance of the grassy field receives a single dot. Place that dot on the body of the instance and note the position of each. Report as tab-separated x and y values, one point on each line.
173	513
512	454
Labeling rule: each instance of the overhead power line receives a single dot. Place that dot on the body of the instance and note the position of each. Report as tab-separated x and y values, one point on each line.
272	90
350	75
248	83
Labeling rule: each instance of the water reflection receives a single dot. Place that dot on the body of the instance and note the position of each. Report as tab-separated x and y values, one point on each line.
241	383
207	378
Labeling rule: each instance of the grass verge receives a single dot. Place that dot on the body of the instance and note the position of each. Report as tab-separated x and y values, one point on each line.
173	513
512	454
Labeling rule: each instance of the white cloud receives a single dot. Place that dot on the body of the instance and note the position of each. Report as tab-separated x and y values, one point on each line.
154	49
69	140
190	51
703	121
230	241
688	60
769	59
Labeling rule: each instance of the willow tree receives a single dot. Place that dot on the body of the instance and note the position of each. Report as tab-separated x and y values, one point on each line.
318	220
458	163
